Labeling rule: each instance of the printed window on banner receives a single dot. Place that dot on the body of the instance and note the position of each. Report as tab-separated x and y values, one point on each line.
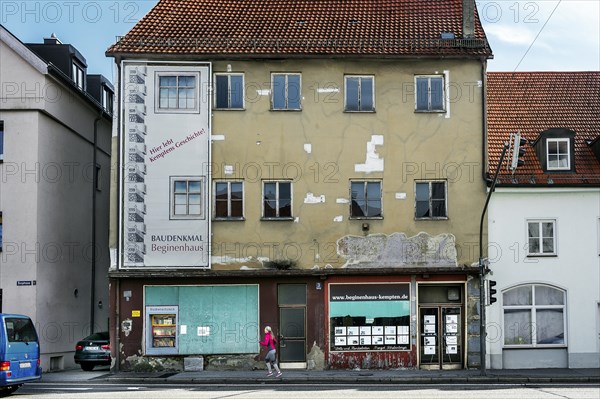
277	200
541	237
369	317
229	200
534	315
177	92
429	95
229	91
186	197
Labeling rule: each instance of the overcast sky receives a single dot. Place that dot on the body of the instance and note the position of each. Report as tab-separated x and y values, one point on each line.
541	35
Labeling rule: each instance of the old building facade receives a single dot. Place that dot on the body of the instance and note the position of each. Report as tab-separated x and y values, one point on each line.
315	166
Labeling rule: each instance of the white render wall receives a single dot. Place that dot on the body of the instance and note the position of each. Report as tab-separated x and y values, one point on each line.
46	194
576	269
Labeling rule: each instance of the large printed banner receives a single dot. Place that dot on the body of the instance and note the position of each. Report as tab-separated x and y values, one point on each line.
165	185
369	317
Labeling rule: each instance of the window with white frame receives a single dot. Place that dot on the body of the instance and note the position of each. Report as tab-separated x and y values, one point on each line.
177	92
78	75
534	315
186	197
558	154
229	200
285	91
229	91
429	93
430	200
277	199
365	199
107	100
541	237
360	93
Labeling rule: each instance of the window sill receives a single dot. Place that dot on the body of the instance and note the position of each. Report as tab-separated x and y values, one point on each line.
542	255
286	109
430	111
434	218
233	219
276	219
229	109
173	217
176	111
538	346
370	111
366	218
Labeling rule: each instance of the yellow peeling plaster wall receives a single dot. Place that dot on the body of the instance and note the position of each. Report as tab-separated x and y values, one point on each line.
322	147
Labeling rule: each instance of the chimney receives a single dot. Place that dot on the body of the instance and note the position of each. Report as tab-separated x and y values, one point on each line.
52	39
468	23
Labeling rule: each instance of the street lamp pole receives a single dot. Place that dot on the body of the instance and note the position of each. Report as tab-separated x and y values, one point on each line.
482	268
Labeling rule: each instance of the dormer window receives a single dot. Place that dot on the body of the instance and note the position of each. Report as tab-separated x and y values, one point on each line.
555	150
107	100
558	154
78	75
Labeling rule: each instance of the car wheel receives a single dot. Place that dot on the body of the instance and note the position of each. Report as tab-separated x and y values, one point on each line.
5	391
87	367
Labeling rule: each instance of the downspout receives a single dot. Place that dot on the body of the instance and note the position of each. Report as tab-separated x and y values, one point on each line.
94	194
484	156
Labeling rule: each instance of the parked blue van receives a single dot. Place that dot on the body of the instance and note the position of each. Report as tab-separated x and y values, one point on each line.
19	352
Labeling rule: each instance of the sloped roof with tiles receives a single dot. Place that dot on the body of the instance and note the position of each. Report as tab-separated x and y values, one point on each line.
263	28
533	102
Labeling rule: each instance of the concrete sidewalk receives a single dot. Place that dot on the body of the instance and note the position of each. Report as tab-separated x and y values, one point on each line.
396	376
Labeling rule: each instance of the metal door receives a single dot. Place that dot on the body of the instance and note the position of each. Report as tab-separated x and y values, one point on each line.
291	299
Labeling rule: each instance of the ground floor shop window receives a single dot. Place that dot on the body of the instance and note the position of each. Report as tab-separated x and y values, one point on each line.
534	315
207	319
369	317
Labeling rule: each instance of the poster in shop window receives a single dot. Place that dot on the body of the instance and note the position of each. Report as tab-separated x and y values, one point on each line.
369	317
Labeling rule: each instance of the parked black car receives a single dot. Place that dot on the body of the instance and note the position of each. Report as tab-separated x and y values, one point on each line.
93	350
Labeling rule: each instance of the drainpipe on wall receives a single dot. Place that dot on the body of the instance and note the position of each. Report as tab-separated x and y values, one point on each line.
94	194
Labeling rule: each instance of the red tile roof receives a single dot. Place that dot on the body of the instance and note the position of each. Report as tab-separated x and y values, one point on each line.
532	102
261	28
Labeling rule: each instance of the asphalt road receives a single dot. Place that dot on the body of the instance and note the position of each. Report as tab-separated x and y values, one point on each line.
100	390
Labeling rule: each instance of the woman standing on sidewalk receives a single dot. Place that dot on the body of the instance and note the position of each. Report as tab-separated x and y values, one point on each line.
271	344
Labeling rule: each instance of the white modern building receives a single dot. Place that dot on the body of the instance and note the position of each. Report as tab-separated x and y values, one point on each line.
55	146
544	221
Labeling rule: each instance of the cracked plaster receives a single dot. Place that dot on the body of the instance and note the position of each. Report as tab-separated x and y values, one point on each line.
398	250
